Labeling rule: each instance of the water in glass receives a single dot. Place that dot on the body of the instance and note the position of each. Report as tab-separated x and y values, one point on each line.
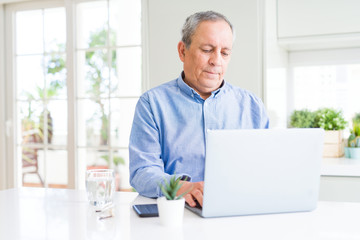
100	186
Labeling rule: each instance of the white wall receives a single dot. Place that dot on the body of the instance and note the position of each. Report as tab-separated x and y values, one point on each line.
165	20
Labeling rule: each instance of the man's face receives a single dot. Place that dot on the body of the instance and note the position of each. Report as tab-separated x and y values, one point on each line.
206	60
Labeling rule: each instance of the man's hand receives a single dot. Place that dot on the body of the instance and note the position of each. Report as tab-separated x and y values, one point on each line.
195	191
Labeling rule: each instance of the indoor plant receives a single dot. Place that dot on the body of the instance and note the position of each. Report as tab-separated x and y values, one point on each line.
171	207
302	119
330	119
333	122
353	147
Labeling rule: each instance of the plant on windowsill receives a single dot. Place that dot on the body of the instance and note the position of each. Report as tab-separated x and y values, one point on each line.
171	207
330	119
353	146
302	119
333	122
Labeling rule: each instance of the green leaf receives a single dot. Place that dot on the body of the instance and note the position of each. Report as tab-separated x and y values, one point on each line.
171	187
302	119
165	192
330	119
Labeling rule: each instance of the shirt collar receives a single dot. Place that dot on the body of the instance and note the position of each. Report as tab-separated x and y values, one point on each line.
192	93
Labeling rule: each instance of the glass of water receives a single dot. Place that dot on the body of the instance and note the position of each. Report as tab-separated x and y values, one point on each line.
100	186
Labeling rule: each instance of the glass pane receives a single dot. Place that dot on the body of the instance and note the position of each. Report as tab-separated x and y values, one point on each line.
57	122
122	114
125	21
56	168
29	32
29	77
93	122
122	169
55	76
93	74
41	76
333	86
54	29
29	115
353	95
95	158
92	24
32	162
314	87
126	72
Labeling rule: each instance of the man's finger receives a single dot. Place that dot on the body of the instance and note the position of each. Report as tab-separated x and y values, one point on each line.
198	195
201	186
189	199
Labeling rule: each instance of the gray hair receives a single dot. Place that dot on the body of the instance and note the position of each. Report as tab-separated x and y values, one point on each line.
193	21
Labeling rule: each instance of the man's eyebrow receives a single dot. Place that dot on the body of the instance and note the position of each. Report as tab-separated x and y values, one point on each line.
207	45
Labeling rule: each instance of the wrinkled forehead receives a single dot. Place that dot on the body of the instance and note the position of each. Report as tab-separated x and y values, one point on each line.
213	33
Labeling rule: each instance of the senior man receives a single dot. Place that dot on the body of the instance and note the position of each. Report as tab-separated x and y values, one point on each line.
170	121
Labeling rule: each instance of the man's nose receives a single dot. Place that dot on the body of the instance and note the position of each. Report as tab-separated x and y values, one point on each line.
215	58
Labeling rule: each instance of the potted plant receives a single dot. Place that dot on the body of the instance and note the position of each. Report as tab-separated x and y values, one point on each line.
302	119
333	122
353	147
171	207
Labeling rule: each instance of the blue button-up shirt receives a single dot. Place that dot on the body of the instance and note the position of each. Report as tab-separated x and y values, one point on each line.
169	130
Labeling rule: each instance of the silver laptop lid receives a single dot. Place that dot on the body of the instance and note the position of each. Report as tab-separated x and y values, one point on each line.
261	171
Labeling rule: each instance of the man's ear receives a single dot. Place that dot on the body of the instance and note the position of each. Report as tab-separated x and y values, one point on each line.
181	50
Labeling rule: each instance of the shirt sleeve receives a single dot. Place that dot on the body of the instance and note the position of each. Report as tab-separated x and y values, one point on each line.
259	113
146	165
264	117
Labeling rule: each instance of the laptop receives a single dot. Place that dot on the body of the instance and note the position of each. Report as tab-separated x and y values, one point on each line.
261	171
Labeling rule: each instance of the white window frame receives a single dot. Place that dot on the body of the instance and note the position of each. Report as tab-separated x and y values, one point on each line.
9	167
3	166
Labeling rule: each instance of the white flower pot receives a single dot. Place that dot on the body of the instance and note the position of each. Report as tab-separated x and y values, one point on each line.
171	212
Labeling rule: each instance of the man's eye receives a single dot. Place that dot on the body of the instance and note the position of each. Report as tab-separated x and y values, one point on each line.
206	50
225	54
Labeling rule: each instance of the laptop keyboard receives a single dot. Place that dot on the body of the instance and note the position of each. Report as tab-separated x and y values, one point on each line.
197	209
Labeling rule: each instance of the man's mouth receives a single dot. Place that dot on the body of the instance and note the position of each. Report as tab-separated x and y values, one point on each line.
213	73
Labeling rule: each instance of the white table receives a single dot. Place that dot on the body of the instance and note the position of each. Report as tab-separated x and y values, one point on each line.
35	213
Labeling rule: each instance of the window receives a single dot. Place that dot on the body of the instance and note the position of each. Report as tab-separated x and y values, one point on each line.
334	86
100	75
317	79
109	81
327	79
41	96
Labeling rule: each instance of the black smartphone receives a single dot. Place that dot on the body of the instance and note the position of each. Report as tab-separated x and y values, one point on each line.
146	210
